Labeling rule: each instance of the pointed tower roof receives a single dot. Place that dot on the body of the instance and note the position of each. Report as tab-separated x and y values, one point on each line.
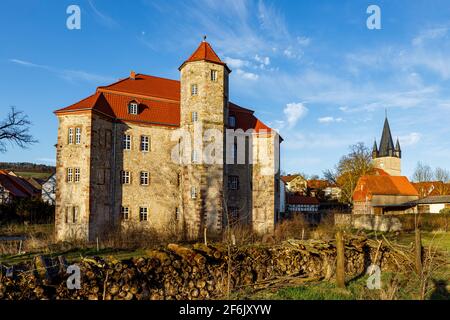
375	147
205	52
386	143
397	146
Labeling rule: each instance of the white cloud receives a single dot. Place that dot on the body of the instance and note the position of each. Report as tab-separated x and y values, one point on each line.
294	112
247	75
410	139
262	60
235	63
329	119
67	74
430	34
303	41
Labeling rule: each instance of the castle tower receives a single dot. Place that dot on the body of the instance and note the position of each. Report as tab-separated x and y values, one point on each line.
387	157
204	106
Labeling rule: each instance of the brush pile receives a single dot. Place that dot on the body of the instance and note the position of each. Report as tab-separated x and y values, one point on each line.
196	272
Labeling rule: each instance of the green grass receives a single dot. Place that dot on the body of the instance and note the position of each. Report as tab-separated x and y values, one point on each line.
37	175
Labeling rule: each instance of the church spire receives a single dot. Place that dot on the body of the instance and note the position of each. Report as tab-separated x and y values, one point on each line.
386	143
398	150
375	149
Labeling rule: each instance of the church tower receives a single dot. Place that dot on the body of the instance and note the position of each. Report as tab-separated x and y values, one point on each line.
387	157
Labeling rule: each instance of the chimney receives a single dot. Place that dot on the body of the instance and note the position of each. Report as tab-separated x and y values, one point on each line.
132	75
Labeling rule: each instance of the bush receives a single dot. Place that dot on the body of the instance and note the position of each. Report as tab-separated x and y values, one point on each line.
427	221
445	211
27	210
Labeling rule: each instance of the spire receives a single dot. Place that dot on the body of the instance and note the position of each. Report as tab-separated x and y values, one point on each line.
205	52
398	150
386	143
375	149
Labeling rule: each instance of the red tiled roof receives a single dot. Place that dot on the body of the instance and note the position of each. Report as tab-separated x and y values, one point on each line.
9	183
318	184
432	188
289	178
205	52
368	186
158	98
299	199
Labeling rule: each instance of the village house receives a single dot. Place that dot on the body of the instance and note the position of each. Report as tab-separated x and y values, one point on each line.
433	204
302	204
13	187
432	188
295	183
122	156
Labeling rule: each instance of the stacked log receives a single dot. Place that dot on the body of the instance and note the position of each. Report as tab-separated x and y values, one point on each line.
197	272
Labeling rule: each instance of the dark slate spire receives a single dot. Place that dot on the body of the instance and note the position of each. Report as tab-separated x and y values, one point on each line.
375	149
398	150
386	143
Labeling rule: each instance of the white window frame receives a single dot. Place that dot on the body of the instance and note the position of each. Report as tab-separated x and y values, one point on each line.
214	75
144	178
194	116
126	141
77	135
70	136
77	175
125	177
133	108
145	143
193	192
194	89
69	175
125	213
143	214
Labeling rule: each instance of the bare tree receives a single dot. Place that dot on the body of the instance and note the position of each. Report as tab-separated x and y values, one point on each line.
349	169
422	173
15	129
442	175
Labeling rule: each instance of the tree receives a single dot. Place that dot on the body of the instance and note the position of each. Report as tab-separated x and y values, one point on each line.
443	176
422	173
15	129
349	169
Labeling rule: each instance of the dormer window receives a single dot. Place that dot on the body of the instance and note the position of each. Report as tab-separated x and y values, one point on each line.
232	121
133	108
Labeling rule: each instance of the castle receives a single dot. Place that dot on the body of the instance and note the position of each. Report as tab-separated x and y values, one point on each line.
167	155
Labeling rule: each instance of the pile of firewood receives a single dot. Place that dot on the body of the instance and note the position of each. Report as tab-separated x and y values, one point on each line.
198	272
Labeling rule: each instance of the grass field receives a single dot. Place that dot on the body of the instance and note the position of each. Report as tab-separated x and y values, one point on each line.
37	175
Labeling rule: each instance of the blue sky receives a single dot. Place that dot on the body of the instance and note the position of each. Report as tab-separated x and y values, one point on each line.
311	69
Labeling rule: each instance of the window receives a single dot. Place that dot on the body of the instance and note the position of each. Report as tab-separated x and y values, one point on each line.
125	177
233	183
125	213
143	214
126	142
74	214
77	174
133	108
178	179
145	143
77	135
144	178
194	90
193	193
66	218
232	121
69	174
70	139
177	213
194	156
194	116
213	75
233	214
